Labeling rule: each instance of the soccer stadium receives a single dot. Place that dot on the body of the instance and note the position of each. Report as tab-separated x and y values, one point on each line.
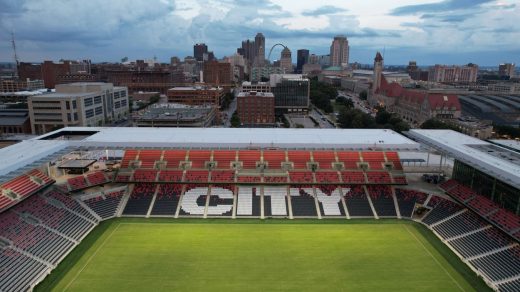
213	209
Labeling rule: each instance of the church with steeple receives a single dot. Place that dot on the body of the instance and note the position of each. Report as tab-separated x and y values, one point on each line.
413	106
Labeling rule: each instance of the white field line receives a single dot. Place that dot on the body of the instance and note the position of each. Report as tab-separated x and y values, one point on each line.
431	255
91	257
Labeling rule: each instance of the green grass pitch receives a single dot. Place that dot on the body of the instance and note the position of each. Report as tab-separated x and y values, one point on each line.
253	255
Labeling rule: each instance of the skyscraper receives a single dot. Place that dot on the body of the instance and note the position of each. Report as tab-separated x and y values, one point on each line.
199	50
260	49
339	51
248	50
286	60
302	58
506	70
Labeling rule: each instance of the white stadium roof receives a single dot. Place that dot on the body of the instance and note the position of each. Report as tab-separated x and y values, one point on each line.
28	152
250	137
513	144
494	160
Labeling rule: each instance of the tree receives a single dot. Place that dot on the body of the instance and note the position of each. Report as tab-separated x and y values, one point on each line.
355	118
438	124
503	130
228	97
235	120
285	122
401	126
321	94
382	116
154	99
344	101
363	95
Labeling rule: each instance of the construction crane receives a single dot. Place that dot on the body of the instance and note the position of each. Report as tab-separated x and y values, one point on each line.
15	55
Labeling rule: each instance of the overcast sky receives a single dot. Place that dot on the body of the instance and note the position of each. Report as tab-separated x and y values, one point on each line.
485	32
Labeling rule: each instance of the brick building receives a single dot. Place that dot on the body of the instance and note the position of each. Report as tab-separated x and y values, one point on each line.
196	95
256	108
413	106
217	74
453	74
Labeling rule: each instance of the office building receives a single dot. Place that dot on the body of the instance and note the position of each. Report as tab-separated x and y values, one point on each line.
339	52
254	50
199	50
262	73
286	60
260	49
291	92
77	104
302	58
506	70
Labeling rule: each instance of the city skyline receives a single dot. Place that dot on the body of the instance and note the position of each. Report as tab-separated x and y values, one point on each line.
480	31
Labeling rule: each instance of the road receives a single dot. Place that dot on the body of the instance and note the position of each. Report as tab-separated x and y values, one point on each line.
226	114
321	118
123	123
358	103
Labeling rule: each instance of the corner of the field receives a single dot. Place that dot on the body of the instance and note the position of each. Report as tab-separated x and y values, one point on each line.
74	262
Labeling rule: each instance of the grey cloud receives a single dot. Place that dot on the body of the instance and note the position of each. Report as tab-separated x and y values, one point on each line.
11	7
450	18
510	6
443	6
108	30
324	10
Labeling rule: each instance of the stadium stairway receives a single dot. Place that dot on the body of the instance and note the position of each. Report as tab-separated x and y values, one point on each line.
178	210
370	202
99	218
152	202
448	217
105	204
396	204
494	251
289	204
319	212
